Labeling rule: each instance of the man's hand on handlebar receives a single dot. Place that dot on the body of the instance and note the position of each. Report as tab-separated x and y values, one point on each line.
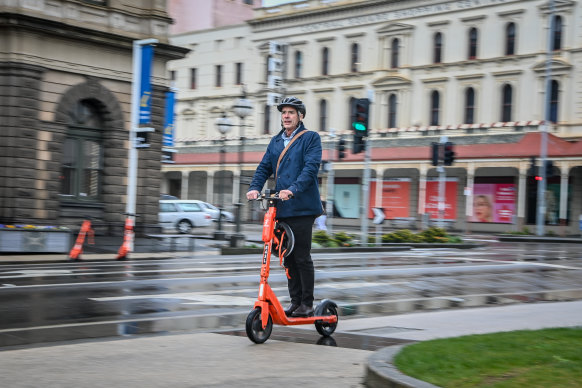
285	194
252	195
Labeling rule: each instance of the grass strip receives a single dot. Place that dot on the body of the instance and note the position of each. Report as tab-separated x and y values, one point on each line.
526	358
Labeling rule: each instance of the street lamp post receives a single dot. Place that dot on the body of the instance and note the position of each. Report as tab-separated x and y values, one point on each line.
224	125
242	109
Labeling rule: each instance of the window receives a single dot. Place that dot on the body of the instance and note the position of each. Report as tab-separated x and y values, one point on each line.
392	100
394	53
472	54
557	33
324	61
323	115
267	68
172	75
554	97
193	78
218	76
298	63
510	39
82	163
267	120
469	106
507	95
238	71
438	47
434	107
249	2
355	57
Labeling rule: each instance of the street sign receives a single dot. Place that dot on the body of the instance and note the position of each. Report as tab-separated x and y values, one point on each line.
274	98
379	215
275	65
274	82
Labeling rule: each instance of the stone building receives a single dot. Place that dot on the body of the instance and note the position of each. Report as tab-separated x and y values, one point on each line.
65	90
473	71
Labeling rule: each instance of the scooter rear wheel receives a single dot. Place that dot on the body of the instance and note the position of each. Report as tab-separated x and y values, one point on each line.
254	327
326	308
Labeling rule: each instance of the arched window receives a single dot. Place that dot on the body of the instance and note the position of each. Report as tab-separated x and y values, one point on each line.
392	101
510	39
355	57
438	48
557	33
267	120
506	103
434	107
473	36
322	115
298	64
394	53
82	163
469	106
554	99
325	61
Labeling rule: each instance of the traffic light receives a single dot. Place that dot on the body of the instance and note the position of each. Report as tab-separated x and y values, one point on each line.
341	148
435	153
532	170
359	144
360	113
549	168
449	154
142	137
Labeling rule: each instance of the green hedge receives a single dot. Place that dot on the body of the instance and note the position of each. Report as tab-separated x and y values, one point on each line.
342	239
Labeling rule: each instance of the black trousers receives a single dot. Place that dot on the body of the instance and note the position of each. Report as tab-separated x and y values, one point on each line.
299	261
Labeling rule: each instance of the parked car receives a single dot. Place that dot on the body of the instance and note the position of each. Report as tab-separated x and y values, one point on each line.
183	215
214	211
168	196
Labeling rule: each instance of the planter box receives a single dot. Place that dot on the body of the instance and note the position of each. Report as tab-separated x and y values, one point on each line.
35	241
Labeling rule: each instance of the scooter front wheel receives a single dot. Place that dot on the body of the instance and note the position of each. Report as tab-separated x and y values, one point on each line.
254	327
326	308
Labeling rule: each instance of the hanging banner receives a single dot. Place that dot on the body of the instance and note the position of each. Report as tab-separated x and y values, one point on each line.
168	138
493	202
395	201
432	199
145	86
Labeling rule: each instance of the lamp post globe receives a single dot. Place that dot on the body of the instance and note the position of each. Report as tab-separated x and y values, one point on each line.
224	126
242	108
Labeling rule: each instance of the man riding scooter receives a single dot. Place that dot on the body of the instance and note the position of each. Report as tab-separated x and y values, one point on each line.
293	156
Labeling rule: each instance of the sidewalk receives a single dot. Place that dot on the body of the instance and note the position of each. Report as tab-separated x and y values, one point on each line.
206	359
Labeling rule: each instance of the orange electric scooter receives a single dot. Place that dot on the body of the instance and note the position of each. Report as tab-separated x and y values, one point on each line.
268	309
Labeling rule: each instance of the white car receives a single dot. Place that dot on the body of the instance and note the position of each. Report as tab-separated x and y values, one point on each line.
183	215
214	211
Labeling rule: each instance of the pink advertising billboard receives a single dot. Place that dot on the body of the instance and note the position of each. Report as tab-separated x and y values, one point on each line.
493	202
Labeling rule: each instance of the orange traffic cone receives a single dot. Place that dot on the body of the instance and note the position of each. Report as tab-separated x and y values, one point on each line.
127	245
77	249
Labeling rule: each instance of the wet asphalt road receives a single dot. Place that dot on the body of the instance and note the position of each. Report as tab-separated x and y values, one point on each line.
206	292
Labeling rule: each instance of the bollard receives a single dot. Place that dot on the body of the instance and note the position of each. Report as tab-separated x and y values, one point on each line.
75	254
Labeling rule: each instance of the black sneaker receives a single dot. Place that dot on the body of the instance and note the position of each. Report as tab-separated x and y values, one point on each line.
289	310
303	311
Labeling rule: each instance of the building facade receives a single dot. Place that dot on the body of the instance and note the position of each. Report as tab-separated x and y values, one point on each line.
66	74
474	71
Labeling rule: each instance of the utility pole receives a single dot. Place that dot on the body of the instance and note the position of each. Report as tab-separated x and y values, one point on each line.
330	184
542	184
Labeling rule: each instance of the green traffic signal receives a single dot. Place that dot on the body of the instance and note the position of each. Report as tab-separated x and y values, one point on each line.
359	126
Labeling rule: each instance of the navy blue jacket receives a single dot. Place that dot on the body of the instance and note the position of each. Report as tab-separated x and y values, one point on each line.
297	172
